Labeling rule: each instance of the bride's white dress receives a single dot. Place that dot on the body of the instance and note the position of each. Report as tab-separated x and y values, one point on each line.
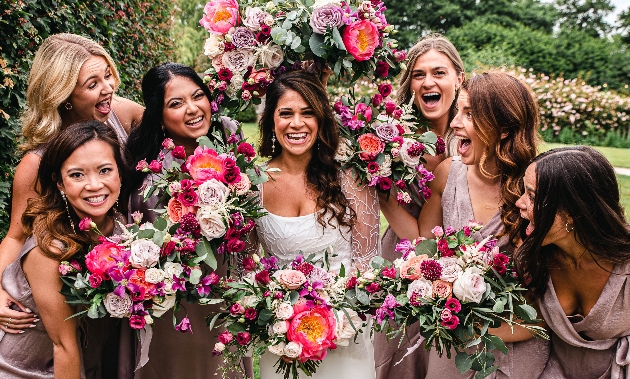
285	236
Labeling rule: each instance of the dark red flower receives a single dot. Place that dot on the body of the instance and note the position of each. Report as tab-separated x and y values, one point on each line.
263	277
225	74
382	70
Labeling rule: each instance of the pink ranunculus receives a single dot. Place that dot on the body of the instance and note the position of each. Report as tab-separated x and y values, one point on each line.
176	210
100	260
361	39
243	338
292	279
219	16
410	269
205	164
314	329
370	145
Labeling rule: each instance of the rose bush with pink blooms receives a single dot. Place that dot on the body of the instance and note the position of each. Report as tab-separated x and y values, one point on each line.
379	142
299	312
455	287
251	43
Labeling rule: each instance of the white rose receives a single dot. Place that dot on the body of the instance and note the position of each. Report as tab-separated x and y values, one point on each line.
236	83
344	329
154	275
450	269
269	20
277	349
404	153
254	16
144	253
280	327
470	286
161	306
148	319
211	223
168	286
219	347
249	301
385	168
293	350
421	287
398	262
368	275
117	306
242	186
319	3
271	56
212	193
284	311
344	151
213	46
173	269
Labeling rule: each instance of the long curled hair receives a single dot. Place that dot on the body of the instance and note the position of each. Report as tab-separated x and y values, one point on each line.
439	43
145	141
505	117
576	182
322	172
46	216
52	79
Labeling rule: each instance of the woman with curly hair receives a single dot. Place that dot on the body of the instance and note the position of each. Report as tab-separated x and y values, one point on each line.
82	174
575	259
312	206
496	127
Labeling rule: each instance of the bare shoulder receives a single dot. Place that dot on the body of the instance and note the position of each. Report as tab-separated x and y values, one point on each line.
441	175
129	112
26	173
37	265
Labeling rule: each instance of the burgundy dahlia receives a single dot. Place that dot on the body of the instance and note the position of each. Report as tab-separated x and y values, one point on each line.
431	269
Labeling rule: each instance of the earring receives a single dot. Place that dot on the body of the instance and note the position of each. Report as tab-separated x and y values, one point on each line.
273	143
67	105
566	227
65	200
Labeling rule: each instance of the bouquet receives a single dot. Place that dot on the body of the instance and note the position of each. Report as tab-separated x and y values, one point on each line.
456	288
298	312
250	44
210	200
380	143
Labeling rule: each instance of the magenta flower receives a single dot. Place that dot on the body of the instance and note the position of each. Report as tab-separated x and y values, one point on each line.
250	314
389	272
226	337
243	338
361	39
179	152
155	166
451	323
184	326
85	224
137	322
453	304
168	144
179	284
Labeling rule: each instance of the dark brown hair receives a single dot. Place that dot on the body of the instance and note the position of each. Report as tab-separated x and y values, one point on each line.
46	216
502	104
322	172
578	182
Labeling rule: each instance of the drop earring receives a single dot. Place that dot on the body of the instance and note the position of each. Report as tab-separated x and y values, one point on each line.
67	105
273	143
65	200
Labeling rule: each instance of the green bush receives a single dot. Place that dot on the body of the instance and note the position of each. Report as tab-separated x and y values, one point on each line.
136	33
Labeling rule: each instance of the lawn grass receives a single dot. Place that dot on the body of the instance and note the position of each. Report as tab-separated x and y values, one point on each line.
617	157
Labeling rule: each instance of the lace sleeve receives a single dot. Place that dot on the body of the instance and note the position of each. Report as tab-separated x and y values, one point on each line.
365	234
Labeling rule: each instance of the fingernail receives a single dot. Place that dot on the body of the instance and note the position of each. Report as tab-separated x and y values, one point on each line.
20	332
36	320
32	326
29	310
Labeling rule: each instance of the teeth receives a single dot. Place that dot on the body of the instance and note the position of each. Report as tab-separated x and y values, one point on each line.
431	94
95	199
296	135
195	120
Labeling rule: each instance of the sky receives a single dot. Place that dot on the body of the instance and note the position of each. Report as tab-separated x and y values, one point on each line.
620	5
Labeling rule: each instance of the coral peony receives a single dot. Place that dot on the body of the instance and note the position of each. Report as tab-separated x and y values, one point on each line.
205	164
314	329
219	16
360	39
370	145
410	269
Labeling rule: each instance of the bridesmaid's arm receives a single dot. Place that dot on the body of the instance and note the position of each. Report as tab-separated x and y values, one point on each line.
128	112
401	222
42	273
431	214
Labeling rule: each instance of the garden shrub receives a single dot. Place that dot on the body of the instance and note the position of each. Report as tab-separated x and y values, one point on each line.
136	33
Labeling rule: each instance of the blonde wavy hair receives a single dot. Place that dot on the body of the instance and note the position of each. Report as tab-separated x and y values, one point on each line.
52	79
437	42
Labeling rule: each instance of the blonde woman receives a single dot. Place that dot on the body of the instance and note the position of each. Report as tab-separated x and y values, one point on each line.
72	79
433	79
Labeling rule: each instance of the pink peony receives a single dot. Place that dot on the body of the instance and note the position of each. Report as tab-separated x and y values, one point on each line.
219	16
314	329
100	260
360	39
370	145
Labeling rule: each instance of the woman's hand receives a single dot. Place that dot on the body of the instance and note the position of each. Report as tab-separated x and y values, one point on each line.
12	321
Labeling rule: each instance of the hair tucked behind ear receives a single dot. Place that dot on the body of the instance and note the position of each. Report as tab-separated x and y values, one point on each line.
505	117
322	172
46	216
576	182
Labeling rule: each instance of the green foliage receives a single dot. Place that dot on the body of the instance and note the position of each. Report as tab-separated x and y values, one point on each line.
136	33
587	16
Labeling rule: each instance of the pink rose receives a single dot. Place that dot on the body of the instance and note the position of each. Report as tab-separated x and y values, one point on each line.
314	329
370	145
361	39
410	269
175	210
155	166
243	338
237	309
85	224
100	260
385	89
382	70
226	337
292	279
179	152
95	280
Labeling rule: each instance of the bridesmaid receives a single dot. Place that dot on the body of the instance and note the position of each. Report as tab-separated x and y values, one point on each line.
72	79
178	107
496	126
574	228
80	175
433	79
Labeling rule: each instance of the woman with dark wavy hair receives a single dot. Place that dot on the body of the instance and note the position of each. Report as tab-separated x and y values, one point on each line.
575	258
81	174
497	128
312	206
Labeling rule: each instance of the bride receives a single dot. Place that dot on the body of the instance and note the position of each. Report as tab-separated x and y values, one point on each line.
312	206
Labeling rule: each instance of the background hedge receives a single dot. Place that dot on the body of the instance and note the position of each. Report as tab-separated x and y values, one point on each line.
137	34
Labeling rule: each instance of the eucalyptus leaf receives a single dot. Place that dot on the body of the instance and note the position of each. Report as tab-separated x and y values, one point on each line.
158	237
195	276
213	321
316	43
338	40
204	247
463	362
428	247
296	42
525	312
363	297
146	234
347	63
160	223
498	343
294	296
205	141
428	137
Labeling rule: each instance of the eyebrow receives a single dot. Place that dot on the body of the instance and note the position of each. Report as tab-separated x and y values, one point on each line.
180	98
290	109
99	166
94	76
434	68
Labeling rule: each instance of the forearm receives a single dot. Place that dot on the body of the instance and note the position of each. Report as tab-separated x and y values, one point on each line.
67	362
401	222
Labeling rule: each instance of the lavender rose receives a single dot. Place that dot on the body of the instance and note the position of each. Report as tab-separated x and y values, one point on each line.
254	18
238	60
421	287
212	193
387	131
144	253
271	56
325	16
450	269
242	37
211	223
117	306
